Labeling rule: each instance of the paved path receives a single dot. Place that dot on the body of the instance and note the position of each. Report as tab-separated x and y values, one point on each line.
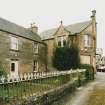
82	94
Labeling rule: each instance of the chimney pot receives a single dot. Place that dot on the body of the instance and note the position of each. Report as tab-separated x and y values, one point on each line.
34	28
61	22
93	17
93	12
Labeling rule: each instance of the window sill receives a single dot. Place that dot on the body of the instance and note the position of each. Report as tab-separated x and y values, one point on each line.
35	53
16	50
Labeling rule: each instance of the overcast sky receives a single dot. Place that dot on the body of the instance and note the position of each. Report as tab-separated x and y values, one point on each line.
48	13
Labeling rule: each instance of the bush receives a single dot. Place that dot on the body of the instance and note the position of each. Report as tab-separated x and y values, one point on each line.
65	58
74	57
2	71
89	71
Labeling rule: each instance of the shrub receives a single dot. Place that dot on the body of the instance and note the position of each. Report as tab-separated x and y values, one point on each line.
74	57
89	71
61	58
2	70
65	58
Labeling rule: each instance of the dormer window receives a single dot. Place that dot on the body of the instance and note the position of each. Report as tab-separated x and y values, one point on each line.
64	42
14	43
86	40
61	41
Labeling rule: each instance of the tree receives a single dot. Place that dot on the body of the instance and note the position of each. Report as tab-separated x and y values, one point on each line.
65	58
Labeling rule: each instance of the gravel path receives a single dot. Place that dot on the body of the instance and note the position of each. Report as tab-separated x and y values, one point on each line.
82	94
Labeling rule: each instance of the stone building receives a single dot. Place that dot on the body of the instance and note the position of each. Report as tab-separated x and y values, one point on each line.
99	53
103	60
81	34
100	59
21	49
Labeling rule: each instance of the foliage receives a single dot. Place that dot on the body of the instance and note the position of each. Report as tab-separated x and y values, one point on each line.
2	70
89	71
25	88
65	58
74	57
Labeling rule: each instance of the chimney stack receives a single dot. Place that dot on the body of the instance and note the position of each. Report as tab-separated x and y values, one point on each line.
93	15
34	28
61	22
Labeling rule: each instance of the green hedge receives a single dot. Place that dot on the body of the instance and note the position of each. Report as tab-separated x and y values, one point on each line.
65	58
89	71
2	70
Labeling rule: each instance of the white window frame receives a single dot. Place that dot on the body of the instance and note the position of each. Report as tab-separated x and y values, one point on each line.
86	40
36	48
61	39
35	66
15	72
58	40
14	43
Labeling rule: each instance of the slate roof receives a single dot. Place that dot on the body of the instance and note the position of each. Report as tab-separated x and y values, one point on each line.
74	28
15	29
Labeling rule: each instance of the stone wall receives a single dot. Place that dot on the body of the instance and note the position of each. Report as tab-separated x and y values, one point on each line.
24	55
76	39
50	96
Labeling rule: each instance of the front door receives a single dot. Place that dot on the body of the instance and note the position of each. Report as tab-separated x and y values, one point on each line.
14	69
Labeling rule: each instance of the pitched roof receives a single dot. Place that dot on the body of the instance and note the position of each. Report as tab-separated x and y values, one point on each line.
48	34
78	27
15	29
74	28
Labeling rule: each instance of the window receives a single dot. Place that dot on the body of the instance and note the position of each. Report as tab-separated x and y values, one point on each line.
61	41
14	43
35	48
12	67
35	65
86	40
64	42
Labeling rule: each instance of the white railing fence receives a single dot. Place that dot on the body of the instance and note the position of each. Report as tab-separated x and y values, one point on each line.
36	75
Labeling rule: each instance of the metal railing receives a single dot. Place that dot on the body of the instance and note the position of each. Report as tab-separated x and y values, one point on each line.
29	84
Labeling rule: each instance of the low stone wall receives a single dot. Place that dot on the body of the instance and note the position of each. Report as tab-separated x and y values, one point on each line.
50	96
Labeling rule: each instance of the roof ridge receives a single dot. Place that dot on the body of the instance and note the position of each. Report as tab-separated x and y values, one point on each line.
78	23
48	29
16	29
73	28
66	25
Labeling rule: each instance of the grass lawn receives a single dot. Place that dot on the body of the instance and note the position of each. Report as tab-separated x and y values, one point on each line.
97	97
20	90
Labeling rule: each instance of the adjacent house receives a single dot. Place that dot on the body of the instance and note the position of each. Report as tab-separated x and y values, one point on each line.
81	34
103	60
100	59
21	49
99	53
